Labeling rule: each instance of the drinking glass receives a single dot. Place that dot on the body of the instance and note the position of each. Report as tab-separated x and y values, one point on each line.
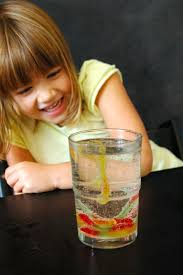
106	183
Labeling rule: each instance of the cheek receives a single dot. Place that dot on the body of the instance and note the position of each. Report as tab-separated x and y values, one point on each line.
24	106
66	84
69	86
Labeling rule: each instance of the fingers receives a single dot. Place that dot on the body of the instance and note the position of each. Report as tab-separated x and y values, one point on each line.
11	177
11	169
17	176
18	187
13	181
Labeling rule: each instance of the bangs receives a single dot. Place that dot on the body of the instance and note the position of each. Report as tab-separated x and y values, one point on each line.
25	55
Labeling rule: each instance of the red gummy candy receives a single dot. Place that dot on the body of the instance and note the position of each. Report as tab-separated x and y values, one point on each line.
134	197
122	223
90	231
86	219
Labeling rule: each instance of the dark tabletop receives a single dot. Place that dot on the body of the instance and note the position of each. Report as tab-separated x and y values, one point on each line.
38	234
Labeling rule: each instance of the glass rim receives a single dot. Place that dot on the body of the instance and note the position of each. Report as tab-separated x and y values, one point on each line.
137	134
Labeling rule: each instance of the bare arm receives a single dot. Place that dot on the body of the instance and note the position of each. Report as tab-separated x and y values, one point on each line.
17	154
119	112
27	176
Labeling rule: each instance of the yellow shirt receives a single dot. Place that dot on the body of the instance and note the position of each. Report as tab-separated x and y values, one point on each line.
49	142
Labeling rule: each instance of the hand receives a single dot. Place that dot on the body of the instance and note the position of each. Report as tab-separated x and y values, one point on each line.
30	177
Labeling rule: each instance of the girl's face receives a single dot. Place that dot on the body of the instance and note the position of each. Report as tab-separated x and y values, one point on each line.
46	97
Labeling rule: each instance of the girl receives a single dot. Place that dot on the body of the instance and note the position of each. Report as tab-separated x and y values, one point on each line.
43	100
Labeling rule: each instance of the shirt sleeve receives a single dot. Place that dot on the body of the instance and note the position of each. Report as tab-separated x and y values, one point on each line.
93	75
163	158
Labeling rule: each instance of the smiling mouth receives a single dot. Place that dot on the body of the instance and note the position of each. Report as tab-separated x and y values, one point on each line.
54	106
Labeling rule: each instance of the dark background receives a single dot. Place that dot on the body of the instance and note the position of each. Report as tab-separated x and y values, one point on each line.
144	38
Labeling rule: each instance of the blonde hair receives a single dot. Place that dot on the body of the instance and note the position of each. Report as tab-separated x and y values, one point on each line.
30	43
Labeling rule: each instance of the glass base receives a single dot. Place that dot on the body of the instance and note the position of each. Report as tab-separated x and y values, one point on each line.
107	243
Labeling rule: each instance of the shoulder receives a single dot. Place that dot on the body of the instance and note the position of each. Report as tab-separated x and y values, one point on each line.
93	75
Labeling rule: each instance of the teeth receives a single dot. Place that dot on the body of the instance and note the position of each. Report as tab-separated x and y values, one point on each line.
50	108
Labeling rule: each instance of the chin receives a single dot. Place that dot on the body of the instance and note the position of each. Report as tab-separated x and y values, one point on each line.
57	120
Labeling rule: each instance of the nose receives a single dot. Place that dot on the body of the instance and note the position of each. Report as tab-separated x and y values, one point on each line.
45	95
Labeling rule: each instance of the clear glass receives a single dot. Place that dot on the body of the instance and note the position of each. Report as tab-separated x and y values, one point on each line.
106	184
